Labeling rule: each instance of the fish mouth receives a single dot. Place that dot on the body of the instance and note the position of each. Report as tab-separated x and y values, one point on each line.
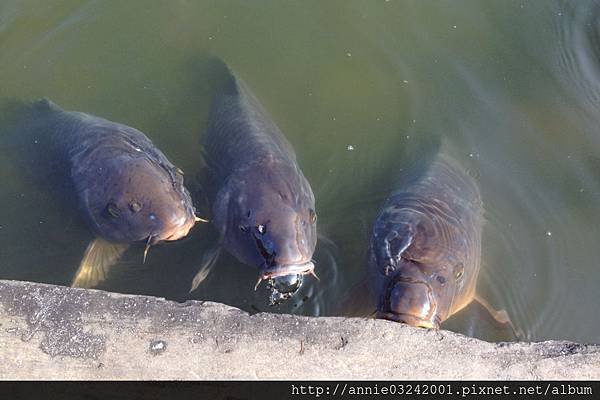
177	231
284	280
304	268
177	234
410	319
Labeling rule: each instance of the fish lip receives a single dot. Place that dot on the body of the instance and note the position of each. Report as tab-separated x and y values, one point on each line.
177	233
287	269
409	319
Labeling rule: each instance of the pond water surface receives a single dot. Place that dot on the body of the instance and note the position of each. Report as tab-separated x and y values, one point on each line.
361	89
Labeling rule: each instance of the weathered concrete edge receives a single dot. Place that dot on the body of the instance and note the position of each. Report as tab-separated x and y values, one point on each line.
55	332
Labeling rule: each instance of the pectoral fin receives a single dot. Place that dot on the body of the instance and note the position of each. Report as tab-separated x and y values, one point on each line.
499	318
480	320
99	256
208	262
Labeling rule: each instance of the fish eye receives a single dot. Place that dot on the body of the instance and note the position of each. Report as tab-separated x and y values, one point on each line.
262	229
313	216
243	228
440	279
459	271
113	210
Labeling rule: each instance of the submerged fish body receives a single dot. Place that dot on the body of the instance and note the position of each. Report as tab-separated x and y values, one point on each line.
123	186
263	206
425	248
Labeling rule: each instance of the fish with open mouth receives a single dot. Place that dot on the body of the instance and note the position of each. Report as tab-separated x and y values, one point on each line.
125	188
262	205
425	248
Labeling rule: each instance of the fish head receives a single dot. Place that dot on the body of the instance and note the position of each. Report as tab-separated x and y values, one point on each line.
416	284
416	296
272	225
137	200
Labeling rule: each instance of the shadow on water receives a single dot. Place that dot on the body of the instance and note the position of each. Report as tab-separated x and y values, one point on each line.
38	202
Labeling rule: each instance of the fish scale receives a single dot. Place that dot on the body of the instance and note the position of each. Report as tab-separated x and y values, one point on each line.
263	206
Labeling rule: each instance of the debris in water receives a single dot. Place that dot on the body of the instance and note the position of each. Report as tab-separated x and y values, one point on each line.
158	346
283	287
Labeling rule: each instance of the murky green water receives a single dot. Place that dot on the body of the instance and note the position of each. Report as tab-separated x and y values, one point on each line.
514	85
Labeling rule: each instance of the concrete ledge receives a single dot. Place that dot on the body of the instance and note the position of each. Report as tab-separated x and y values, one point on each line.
54	332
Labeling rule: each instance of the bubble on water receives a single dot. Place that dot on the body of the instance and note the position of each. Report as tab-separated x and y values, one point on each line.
349	147
548	233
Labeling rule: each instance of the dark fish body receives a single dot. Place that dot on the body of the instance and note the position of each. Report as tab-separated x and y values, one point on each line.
263	206
123	186
425	248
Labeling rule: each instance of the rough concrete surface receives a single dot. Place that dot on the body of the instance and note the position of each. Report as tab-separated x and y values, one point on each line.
54	332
